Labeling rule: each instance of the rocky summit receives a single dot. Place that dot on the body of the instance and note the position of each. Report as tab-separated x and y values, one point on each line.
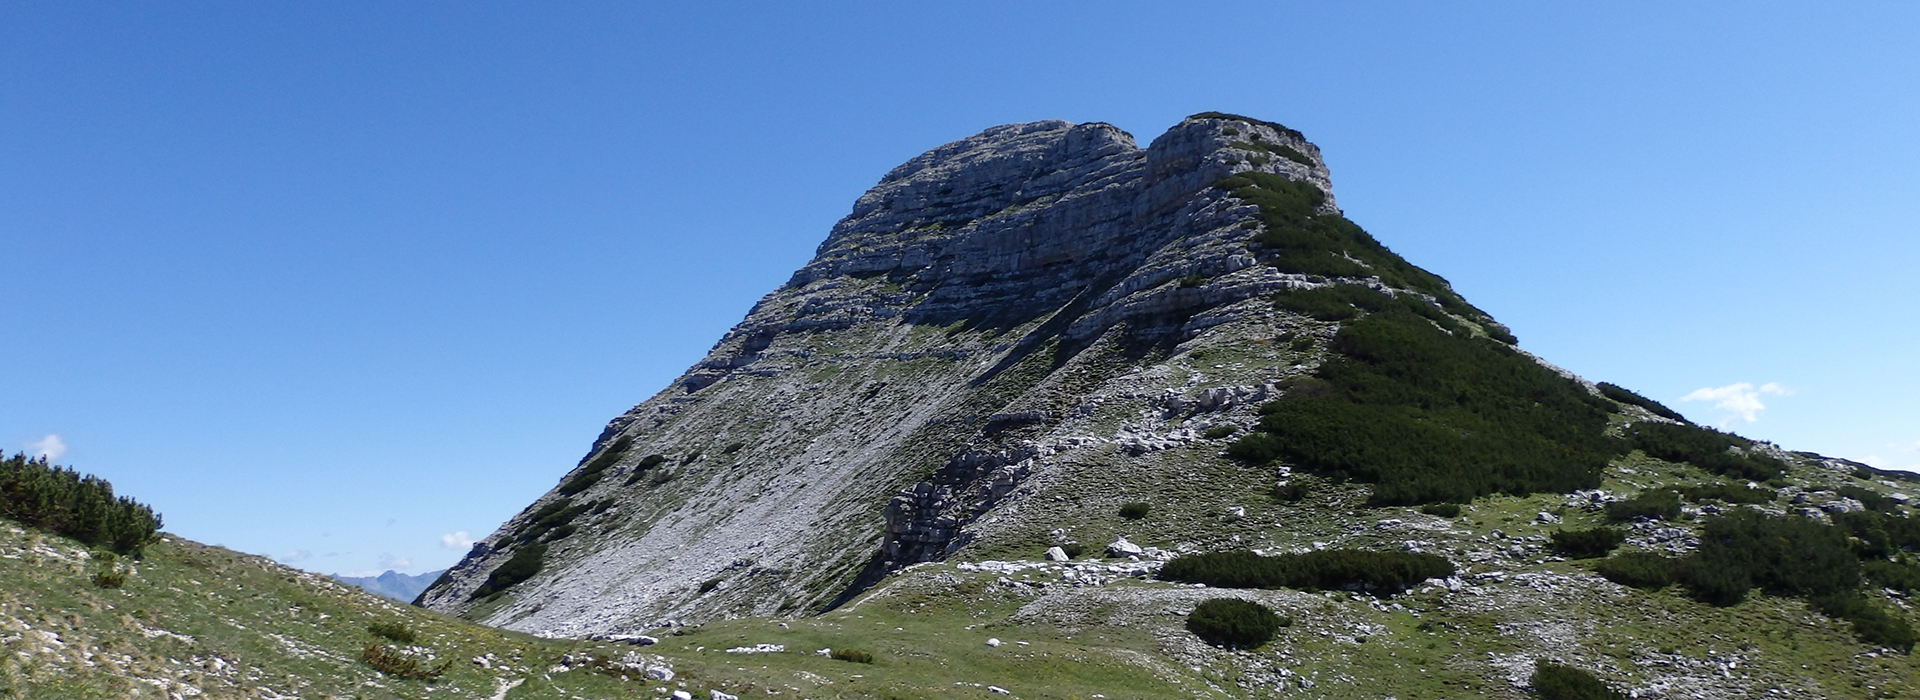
1172	415
998	317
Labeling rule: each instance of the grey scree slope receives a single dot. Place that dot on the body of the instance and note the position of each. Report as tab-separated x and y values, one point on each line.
999	317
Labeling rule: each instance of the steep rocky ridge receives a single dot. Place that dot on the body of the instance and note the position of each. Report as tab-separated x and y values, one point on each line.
1002	314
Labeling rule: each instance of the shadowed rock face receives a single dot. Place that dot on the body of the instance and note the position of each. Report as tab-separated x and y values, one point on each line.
995	315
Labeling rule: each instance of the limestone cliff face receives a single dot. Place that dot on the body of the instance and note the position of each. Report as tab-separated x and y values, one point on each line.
999	325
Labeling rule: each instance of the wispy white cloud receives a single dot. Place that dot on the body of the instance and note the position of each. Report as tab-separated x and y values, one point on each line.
388	561
295	555
50	447
457	541
1741	400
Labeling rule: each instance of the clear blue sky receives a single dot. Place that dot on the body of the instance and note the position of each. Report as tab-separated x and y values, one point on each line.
330	281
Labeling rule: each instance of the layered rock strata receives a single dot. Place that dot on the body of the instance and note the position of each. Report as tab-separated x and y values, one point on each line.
999	316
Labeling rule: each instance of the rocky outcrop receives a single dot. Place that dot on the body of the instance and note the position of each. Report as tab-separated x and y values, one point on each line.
994	315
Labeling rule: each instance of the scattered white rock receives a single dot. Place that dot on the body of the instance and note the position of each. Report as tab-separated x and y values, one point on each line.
1546	517
1057	554
1122	548
659	673
717	695
993	641
759	649
998	690
682	695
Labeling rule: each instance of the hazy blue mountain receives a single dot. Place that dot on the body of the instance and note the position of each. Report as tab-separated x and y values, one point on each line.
393	584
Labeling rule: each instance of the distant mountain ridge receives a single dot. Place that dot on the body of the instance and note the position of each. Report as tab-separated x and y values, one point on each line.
393	584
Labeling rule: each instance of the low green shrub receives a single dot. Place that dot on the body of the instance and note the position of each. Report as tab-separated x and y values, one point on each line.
857	656
591	472
645	465
39	494
1783	556
1642	570
109	574
551	521
1380	572
394	631
1444	510
1428	415
525	562
399	664
1622	395
1871	623
1074	549
710	584
1556	682
733	447
1219	431
1587	544
1234	623
1869	498
1880	535
1135	511
1658	504
1705	448
1290	492
1900	576
1793	557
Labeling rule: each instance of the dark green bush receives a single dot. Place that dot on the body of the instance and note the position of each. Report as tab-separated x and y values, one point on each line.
1232	622
645	465
1705	448
60	500
1881	535
1727	494
1622	395
551	521
394	631
1219	431
1074	549
1444	510
1556	682
590	473
1300	239
110	573
1135	511
1427	416
1659	504
525	562
1900	576
398	664
710	584
733	447
1587	544
1869	498
1290	492
854	655
1783	556
1380	572
1643	570
1871	623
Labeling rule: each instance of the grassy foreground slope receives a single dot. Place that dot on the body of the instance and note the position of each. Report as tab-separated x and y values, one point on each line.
191	620
197	621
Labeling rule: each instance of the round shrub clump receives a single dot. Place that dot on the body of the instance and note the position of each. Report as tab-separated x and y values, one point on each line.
1236	623
1556	682
1135	511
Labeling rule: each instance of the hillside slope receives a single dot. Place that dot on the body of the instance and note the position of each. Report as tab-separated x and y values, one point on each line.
995	315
